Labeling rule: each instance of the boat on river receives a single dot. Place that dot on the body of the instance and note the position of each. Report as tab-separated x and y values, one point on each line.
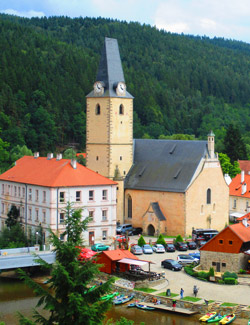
144	307
208	316
122	300
216	319
228	319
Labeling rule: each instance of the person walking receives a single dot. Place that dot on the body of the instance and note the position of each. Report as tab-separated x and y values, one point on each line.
174	304
195	290
181	293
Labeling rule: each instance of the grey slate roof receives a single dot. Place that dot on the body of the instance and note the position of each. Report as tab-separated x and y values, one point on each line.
110	70
164	165
157	211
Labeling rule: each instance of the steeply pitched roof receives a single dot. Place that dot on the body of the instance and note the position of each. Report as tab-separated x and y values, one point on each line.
110	70
241	231
118	254
164	165
157	211
52	173
235	187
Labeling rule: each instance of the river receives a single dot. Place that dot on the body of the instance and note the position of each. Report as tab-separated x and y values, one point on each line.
16	296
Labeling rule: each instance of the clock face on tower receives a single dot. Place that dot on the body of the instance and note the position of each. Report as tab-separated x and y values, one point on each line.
98	88
121	89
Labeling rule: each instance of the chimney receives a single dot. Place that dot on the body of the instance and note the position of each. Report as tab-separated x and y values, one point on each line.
243	189
73	163
50	155
36	155
242	176
59	156
210	144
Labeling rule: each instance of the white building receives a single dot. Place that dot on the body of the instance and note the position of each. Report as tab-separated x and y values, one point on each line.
41	187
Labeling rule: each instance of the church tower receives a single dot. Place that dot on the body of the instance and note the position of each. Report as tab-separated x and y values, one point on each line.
109	135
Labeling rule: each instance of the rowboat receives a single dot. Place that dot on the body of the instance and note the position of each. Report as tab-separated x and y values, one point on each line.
144	307
217	318
228	319
208	317
123	300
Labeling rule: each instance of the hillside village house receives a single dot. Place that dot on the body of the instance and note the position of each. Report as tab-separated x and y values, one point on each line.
239	190
229	250
164	186
41	187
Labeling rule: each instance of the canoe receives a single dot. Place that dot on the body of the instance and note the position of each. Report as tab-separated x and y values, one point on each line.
123	300
228	319
131	305
110	296
216	319
144	307
208	317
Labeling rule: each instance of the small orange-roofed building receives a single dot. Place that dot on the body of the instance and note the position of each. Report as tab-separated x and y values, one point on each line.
40	188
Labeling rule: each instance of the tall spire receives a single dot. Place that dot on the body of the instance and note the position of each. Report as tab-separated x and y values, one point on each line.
110	75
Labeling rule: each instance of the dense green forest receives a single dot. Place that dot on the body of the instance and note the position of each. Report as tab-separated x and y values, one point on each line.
181	83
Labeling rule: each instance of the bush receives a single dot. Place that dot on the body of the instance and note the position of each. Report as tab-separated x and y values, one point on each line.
221	282
202	279
211	272
242	271
229	275
141	241
179	239
161	240
203	275
230	281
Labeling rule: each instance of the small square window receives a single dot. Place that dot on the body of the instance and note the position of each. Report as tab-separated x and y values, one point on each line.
230	242
221	241
104	234
214	263
91	216
104	215
224	264
105	195
62	219
62	196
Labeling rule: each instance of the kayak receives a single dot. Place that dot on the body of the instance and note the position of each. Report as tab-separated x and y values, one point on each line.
216	319
208	317
123	300
110	296
131	305
228	319
144	307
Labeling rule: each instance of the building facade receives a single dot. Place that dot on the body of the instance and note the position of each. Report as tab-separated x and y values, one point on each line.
41	188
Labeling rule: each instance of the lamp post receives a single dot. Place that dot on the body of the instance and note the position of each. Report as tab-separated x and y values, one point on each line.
37	237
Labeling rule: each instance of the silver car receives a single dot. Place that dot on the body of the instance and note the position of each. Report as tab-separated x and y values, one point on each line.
185	259
136	250
158	248
147	249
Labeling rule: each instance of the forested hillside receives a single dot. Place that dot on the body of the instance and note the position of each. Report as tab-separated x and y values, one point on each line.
181	84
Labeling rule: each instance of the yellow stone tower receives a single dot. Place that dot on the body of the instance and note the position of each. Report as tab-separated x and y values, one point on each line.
109	136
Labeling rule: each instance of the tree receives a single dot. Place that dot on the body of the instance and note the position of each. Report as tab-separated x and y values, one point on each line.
234	145
18	152
141	241
13	237
227	167
161	240
69	299
12	216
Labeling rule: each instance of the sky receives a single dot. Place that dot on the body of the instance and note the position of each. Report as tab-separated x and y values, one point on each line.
221	18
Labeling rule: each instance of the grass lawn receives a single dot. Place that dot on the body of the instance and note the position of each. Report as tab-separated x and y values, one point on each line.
228	304
163	294
148	290
210	301
192	299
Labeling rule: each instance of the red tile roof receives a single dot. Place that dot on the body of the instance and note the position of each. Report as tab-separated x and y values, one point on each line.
235	187
81	154
241	231
246	216
53	173
244	165
118	254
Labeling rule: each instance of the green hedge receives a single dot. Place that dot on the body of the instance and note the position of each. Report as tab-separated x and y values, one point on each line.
229	275
230	281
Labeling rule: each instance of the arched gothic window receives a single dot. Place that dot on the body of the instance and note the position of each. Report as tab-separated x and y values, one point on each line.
98	109
121	109
208	196
129	207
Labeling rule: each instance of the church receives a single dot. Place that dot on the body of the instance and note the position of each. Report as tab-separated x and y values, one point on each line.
163	186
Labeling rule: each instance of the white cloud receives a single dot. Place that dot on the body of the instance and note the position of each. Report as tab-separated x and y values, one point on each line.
223	18
27	14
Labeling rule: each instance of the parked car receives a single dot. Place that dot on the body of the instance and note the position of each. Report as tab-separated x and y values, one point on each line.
99	247
170	248
158	248
135	231
136	250
191	245
122	229
201	243
186	259
147	249
171	265
195	255
181	246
